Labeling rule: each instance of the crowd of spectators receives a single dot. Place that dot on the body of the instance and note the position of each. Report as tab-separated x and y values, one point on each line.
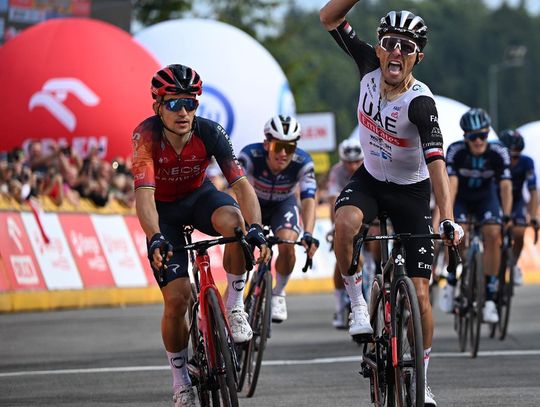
59	173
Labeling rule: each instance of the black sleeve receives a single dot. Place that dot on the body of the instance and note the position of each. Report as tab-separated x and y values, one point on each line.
362	53
423	113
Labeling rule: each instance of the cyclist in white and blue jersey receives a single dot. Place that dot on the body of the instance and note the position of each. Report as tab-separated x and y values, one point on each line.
277	169
523	174
477	170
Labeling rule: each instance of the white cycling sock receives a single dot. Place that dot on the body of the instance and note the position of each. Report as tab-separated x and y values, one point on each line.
281	282
427	354
353	285
235	290
178	363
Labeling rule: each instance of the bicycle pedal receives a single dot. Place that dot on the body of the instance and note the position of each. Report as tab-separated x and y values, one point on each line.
362	338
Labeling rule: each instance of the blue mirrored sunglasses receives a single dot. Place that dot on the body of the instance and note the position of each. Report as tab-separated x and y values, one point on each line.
475	136
175	105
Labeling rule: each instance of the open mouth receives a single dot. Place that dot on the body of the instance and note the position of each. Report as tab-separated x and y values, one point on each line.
394	67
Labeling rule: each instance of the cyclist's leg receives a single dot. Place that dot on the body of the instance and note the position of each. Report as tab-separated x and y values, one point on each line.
285	224
354	205
217	213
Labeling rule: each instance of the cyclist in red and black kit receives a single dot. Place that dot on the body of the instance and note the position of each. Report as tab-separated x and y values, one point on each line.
171	152
403	150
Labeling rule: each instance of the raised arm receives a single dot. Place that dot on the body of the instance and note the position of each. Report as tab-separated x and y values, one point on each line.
333	13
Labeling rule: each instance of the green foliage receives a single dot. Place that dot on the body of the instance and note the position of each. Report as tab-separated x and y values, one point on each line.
149	12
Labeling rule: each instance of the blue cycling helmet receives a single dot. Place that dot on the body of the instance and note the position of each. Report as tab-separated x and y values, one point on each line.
475	119
512	139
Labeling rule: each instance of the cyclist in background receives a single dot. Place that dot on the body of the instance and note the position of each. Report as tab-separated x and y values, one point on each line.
171	152
276	168
403	150
522	169
351	157
476	168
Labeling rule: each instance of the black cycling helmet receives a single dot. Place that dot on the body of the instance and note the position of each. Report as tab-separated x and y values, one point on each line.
406	23
512	139
175	79
475	119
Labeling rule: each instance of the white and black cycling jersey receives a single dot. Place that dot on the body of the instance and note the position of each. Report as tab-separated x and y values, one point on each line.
399	137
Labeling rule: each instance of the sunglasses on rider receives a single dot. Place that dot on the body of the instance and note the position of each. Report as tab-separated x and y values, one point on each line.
405	46
277	145
175	105
475	136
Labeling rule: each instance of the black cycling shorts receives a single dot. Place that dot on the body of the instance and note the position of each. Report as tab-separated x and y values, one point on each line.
195	209
407	207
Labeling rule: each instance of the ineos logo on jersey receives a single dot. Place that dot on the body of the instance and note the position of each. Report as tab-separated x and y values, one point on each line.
55	92
215	106
179	170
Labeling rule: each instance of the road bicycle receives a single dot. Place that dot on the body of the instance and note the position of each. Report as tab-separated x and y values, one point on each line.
257	304
505	290
470	298
213	364
393	359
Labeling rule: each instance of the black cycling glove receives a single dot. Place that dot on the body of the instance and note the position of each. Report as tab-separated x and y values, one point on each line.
308	239
255	236
158	241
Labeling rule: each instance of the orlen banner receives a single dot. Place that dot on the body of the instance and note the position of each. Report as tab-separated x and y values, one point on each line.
243	85
77	81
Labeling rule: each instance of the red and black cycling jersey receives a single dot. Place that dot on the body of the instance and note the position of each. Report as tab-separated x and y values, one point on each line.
156	164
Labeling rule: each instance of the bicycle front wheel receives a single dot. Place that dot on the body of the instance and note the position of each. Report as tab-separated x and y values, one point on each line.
505	291
461	323
224	368
478	288
409	373
260	321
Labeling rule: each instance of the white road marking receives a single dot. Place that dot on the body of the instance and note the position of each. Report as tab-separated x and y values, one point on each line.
342	359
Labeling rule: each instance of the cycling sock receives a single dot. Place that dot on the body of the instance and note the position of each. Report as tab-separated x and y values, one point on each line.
491	287
427	354
178	364
353	285
235	290
281	282
339	295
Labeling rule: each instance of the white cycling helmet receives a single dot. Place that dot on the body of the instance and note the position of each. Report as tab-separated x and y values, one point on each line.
285	128
350	150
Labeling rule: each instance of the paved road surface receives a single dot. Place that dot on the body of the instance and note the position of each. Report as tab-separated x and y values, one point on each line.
114	357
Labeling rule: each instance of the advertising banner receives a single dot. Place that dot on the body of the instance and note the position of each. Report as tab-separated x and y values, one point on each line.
55	259
86	250
139	241
22	270
119	250
318	131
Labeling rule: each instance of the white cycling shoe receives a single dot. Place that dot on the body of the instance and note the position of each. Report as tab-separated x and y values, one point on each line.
518	276
184	397
279	308
241	331
489	312
429	400
359	324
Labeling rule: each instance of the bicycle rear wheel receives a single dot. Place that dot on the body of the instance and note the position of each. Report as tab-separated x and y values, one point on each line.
260	322
505	291
478	287
409	373
224	369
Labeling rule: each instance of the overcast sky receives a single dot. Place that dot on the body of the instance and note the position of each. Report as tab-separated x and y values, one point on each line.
533	5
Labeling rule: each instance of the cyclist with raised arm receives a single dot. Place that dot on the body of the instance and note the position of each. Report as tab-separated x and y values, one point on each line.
171	152
476	168
523	174
351	157
277	168
403	150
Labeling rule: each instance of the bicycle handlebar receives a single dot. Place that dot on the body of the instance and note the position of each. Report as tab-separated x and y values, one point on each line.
273	240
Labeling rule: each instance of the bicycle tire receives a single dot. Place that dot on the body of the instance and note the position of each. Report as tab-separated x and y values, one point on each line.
378	351
202	380
478	293
409	373
260	322
461	313
505	292
224	367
